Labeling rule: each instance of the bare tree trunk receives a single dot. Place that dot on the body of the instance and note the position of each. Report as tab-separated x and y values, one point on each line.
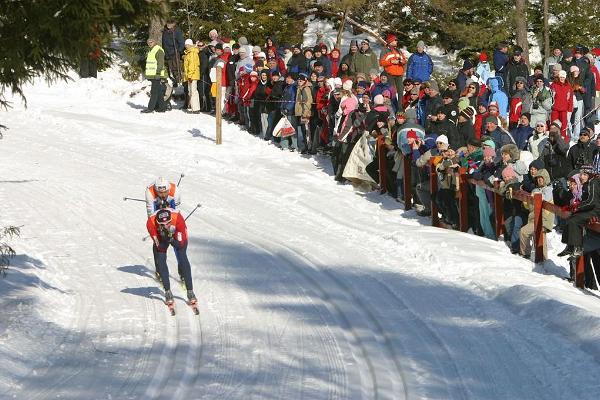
546	30
521	25
338	41
157	22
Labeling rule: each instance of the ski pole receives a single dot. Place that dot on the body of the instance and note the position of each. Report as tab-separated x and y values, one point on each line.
193	211
134	199
180	178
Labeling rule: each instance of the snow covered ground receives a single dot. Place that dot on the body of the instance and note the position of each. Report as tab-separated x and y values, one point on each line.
307	289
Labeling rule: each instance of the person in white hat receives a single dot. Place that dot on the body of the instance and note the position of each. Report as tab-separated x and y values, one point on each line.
191	74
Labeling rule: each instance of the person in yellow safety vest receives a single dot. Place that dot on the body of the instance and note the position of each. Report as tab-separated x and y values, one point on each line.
155	73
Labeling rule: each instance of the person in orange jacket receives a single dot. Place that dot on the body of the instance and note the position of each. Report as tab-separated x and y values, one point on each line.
167	228
393	61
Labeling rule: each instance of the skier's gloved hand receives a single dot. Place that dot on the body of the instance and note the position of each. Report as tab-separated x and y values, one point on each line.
172	230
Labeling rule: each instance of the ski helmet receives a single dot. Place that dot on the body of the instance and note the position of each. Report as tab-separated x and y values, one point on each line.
161	184
163	216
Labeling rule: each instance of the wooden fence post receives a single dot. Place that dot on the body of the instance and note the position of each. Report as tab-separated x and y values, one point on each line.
218	110
538	227
407	181
580	272
433	188
463	196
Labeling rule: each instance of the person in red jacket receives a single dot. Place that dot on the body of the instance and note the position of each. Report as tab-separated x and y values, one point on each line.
334	57
322	107
167	228
563	103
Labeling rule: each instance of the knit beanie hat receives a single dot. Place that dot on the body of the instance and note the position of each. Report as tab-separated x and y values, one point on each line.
347	85
587	169
508	172
378	100
489	152
442	139
490	143
468	112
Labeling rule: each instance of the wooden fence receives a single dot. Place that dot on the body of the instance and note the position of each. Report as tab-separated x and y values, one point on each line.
462	196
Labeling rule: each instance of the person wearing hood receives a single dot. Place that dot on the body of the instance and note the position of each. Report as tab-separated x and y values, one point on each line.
365	59
497	95
582	152
543	185
554	153
522	132
541	101
420	64
191	74
537	141
510	155
520	102
515	68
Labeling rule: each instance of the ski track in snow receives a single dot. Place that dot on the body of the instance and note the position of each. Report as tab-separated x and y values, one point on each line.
306	290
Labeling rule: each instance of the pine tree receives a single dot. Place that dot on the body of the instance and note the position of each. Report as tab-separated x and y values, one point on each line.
49	37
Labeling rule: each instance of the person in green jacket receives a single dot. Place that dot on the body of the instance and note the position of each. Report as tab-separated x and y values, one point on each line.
155	72
365	60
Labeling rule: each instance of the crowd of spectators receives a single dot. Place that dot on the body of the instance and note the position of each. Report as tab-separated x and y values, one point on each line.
511	125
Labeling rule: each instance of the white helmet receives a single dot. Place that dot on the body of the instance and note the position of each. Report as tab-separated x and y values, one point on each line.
161	184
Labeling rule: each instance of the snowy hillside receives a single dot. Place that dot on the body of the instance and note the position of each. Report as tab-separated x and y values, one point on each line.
307	289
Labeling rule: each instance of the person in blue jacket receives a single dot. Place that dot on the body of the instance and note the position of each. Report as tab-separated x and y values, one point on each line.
420	64
495	85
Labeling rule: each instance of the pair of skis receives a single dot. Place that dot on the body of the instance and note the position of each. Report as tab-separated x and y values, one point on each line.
171	304
192	303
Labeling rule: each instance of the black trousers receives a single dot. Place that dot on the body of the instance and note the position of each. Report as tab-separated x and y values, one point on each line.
157	94
575	225
183	265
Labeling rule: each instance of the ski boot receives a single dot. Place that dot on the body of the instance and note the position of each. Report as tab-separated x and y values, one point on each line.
192	301
170	301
